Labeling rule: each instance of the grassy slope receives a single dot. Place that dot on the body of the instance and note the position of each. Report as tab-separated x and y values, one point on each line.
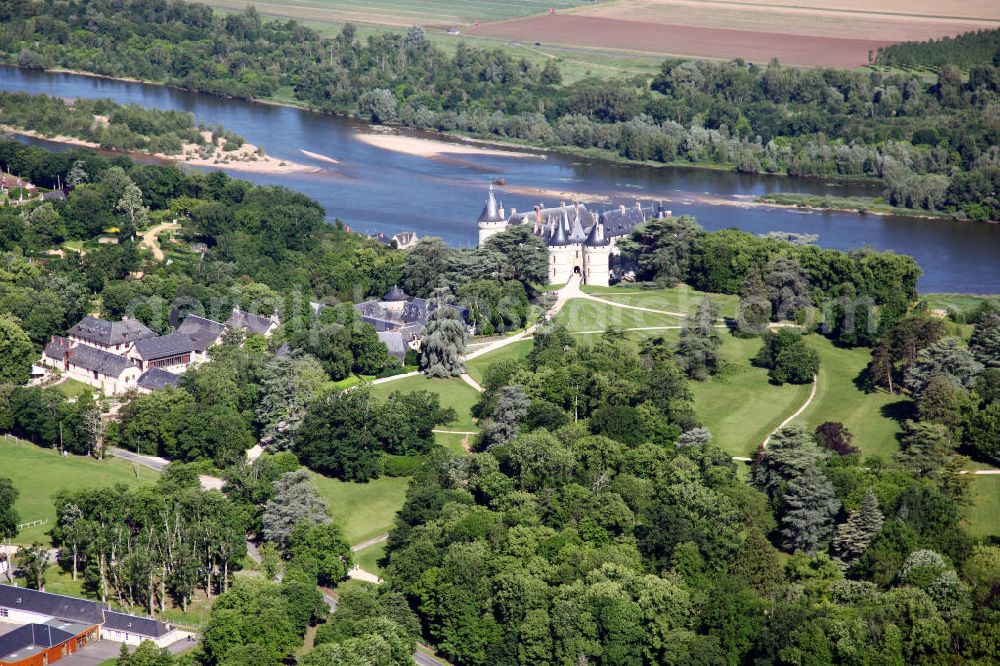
452	442
984	514
368	558
454	393
41	473
363	510
477	367
582	315
739	405
867	415
677	299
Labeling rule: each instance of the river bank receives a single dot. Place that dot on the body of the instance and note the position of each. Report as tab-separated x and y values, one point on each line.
376	190
859	205
248	158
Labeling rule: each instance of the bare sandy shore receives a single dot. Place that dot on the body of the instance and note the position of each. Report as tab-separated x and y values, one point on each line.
247	159
565	195
412	145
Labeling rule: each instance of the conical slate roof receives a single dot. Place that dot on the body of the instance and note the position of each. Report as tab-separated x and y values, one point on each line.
597	237
577	234
491	211
558	238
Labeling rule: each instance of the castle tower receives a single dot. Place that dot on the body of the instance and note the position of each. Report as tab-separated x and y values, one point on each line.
597	253
491	220
561	262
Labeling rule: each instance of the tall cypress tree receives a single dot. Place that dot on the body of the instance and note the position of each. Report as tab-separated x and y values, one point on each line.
443	344
809	506
698	349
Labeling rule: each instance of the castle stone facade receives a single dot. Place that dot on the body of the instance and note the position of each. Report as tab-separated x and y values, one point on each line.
579	241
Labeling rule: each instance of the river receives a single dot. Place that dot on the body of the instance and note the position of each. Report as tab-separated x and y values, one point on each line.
373	189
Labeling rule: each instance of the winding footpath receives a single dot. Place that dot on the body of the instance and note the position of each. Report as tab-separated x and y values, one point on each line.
151	238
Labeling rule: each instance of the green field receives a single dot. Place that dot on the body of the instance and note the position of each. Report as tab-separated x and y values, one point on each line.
580	315
368	558
477	367
868	415
71	388
739	405
452	442
984	514
404	12
677	299
41	473
454	393
960	303
363	510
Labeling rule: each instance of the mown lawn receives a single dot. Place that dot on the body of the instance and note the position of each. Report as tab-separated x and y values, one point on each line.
478	366
580	315
869	416
39	474
363	510
961	303
677	299
368	558
452	442
454	393
984	514
72	388
739	405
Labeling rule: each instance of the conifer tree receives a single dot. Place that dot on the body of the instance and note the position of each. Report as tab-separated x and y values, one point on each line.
926	447
443	344
861	526
698	349
985	341
503	425
809	507
755	307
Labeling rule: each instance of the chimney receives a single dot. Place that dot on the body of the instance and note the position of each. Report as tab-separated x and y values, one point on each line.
638	205
513	212
501	211
621	207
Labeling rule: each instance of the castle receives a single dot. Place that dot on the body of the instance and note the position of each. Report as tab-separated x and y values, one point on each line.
579	241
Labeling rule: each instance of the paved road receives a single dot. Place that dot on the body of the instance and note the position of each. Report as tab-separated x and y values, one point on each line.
154	463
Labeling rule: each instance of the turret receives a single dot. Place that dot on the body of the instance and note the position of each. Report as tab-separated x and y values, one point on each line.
491	220
597	256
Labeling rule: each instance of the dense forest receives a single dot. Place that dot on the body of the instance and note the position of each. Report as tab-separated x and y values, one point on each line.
933	144
966	51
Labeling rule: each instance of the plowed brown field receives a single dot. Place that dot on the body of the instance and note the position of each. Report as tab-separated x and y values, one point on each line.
606	33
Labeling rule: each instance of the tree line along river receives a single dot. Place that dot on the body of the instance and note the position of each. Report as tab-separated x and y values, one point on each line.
375	189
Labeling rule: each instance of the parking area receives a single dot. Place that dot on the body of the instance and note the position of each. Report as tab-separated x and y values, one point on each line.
94	654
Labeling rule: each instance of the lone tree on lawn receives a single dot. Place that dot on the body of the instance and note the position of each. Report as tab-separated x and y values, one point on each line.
443	345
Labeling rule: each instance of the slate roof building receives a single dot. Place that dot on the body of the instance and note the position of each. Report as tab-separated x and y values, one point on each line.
104	370
115	336
252	324
178	350
79	618
156	378
579	241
